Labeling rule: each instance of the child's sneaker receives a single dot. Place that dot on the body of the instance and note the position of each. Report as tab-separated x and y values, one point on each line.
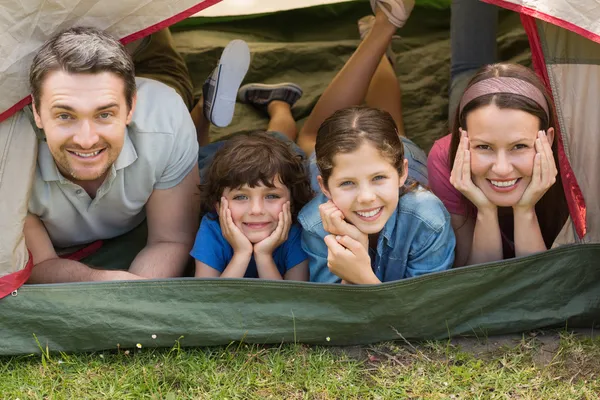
220	88
260	95
397	11
365	24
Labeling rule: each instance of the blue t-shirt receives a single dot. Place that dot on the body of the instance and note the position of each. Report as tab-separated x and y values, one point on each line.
212	249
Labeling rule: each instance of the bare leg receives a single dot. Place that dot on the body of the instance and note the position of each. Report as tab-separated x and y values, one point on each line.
201	123
351	84
281	119
384	93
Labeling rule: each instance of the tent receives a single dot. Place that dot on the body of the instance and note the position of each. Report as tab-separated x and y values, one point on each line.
554	288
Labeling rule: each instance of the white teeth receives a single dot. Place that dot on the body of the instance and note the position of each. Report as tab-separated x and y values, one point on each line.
503	183
369	213
86	155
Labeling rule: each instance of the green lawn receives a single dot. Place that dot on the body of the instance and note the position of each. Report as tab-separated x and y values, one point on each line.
530	368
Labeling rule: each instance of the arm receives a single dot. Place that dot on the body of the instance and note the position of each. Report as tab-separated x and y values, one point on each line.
235	269
298	272
49	268
528	235
172	216
486	241
486	244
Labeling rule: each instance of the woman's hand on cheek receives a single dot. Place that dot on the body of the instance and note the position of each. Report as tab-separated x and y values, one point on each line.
543	176
279	235
335	223
460	176
238	241
349	259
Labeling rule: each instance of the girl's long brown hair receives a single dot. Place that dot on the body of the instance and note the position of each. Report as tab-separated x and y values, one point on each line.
551	210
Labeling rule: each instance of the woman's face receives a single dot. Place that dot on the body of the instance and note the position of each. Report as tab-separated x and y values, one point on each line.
502	145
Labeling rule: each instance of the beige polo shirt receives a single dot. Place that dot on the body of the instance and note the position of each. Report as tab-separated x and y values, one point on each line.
159	150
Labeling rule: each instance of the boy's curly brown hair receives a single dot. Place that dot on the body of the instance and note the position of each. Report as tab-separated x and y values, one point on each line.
252	159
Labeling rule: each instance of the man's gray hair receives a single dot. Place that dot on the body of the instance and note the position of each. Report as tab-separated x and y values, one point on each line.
82	50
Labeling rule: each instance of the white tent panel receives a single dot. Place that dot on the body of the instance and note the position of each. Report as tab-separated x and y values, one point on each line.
580	16
25	25
247	7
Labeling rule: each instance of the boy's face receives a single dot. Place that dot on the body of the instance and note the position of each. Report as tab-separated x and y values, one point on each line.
255	211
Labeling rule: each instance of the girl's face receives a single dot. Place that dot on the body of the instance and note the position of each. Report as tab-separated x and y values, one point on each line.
502	146
364	185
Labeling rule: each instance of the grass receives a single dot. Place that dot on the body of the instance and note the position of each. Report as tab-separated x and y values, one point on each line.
522	369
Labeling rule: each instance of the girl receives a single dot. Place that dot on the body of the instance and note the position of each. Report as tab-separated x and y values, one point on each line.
367	226
497	171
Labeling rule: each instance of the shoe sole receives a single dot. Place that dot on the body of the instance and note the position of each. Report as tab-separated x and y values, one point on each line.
233	66
263	86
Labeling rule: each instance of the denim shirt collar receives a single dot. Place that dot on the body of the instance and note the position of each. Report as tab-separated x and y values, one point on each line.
389	228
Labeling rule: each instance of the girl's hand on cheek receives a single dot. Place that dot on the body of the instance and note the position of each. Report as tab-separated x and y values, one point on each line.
460	176
348	259
335	223
543	176
278	236
238	241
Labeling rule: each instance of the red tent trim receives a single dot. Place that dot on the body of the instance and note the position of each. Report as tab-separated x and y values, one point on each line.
546	17
575	200
130	38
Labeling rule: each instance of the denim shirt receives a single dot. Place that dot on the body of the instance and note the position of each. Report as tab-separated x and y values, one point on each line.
417	239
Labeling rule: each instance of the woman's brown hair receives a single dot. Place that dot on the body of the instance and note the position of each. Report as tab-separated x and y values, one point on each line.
253	159
347	129
552	210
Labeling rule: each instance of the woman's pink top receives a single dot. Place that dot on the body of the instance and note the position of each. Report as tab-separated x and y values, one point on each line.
439	171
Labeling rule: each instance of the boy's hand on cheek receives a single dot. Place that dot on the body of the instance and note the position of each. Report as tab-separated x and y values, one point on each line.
278	236
348	259
238	241
334	223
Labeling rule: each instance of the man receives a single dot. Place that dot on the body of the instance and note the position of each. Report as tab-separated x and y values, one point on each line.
117	151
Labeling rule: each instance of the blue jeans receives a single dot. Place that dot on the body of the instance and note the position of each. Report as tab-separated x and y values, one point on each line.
473	28
417	165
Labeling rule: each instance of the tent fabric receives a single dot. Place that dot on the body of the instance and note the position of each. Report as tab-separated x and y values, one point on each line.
572	63
26	25
25	28
579	16
18	151
556	288
565	37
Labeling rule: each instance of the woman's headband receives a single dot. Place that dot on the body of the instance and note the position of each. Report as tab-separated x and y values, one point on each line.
504	85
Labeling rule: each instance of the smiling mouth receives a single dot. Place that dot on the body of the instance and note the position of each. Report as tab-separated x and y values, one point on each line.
86	155
504	186
370	214
256	225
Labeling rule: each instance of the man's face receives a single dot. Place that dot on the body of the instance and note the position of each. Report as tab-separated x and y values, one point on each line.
84	118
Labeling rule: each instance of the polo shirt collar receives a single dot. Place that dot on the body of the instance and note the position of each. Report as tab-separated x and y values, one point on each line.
50	171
